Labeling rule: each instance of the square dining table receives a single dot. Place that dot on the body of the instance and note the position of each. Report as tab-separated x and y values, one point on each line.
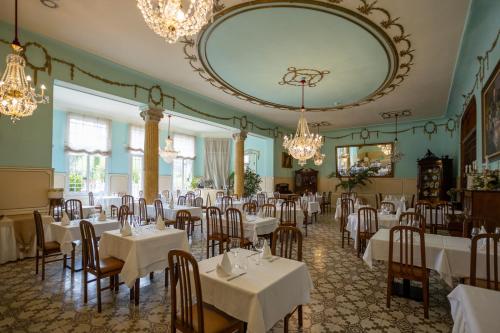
265	294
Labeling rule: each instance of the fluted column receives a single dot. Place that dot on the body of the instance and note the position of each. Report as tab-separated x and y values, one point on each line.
152	117
239	163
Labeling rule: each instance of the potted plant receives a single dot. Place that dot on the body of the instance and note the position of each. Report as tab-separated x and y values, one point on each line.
251	183
354	178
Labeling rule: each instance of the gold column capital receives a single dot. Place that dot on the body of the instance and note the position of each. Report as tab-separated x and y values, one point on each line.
151	113
241	136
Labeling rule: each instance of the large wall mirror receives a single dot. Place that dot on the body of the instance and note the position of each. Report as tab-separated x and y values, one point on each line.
357	158
250	159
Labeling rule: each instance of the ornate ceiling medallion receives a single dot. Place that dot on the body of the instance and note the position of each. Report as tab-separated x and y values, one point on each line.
244	47
294	76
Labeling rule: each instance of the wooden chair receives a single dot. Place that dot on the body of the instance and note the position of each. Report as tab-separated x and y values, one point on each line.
183	221
73	208
305	209
288	216
345	195
412	202
235	230
98	208
101	268
491	278
287	243
181	200
425	209
215	232
405	266
261	199
143	212
165	194
442	211
269	210
346	208
272	201
196	220
123	214
190	196
276	195
412	219
367	227
226	202
188	312
470	222
48	249
249	208
389	206
380	199
377	202
128	200
235	196
159	209
219	195
328	203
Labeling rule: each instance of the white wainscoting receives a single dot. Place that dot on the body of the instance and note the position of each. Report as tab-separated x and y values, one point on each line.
118	183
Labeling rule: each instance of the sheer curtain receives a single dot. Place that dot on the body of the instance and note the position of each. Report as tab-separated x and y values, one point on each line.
217	161
136	139
88	135
185	146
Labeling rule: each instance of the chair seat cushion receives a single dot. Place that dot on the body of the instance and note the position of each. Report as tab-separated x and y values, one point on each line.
52	247
110	264
214	320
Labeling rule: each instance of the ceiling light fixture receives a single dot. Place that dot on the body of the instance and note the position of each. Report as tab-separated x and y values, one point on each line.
171	20
168	154
318	157
303	145
18	98
396	154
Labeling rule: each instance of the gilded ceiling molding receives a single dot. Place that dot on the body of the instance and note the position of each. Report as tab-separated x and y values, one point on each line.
368	9
294	76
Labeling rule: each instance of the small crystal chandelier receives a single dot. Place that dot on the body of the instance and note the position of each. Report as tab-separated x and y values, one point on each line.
18	98
396	154
386	149
318	157
168	153
171	20
303	145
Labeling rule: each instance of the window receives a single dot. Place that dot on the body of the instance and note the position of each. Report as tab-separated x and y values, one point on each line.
136	139
87	145
250	159
136	149
183	164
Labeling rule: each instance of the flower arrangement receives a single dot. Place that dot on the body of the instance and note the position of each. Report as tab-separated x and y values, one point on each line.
487	180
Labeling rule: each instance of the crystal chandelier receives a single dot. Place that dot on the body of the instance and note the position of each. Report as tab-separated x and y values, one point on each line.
318	157
386	149
168	153
18	98
303	145
173	19
396	154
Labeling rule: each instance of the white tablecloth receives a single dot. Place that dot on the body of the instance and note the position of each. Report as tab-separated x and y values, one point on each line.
66	234
255	226
474	310
299	215
398	203
385	221
107	201
169	213
238	204
143	252
8	244
263	296
428	216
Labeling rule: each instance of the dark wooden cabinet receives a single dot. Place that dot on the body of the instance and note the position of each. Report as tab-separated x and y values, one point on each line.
435	177
306	180
483	205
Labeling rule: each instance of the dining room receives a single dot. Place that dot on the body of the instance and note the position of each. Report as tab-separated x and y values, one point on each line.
249	166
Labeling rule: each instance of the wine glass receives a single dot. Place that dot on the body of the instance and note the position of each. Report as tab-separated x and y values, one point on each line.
259	244
474	232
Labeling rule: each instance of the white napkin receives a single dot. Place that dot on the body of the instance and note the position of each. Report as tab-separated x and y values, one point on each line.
224	268
126	230
266	254
403	198
102	216
160	224
65	219
481	244
260	213
398	212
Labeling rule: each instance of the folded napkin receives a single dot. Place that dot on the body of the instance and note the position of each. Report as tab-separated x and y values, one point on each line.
65	219
398	212
102	216
266	253
224	268
126	230
160	224
481	244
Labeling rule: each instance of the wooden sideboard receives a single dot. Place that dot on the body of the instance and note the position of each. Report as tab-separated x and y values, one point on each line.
483	204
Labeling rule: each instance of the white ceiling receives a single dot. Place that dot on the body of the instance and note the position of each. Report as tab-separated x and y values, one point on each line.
115	30
71	99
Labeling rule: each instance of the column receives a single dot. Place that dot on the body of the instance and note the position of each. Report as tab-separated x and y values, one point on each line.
239	165
152	117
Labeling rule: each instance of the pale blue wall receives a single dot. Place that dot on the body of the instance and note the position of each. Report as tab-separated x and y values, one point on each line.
265	147
58	137
119	161
199	162
483	25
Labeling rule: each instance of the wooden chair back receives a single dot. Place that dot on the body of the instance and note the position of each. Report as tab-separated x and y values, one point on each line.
288	216
90	248
425	209
412	219
269	210
377	202
143	211
261	199
198	202
159	209
272	201
367	220
346	208
123	214
287	243
181	200
442	210
214	221
40	235
249	208
183	220
387	205
412	203
91	199
226	202
234	226
128	200
345	195
73	208
186	307
219	195
190	196
406	262
491	277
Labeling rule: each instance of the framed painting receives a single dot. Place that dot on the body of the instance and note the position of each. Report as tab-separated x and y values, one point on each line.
286	160
490	98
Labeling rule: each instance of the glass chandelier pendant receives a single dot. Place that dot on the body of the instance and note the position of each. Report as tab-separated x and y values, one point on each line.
168	154
396	154
303	145
318	158
173	19
18	98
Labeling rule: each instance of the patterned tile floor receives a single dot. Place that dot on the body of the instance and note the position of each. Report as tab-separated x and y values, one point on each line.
348	297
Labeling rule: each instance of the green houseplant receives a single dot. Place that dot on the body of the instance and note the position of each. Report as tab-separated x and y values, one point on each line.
251	183
353	179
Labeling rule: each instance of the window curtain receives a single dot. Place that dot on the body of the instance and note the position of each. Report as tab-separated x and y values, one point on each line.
88	135
136	139
217	161
185	146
